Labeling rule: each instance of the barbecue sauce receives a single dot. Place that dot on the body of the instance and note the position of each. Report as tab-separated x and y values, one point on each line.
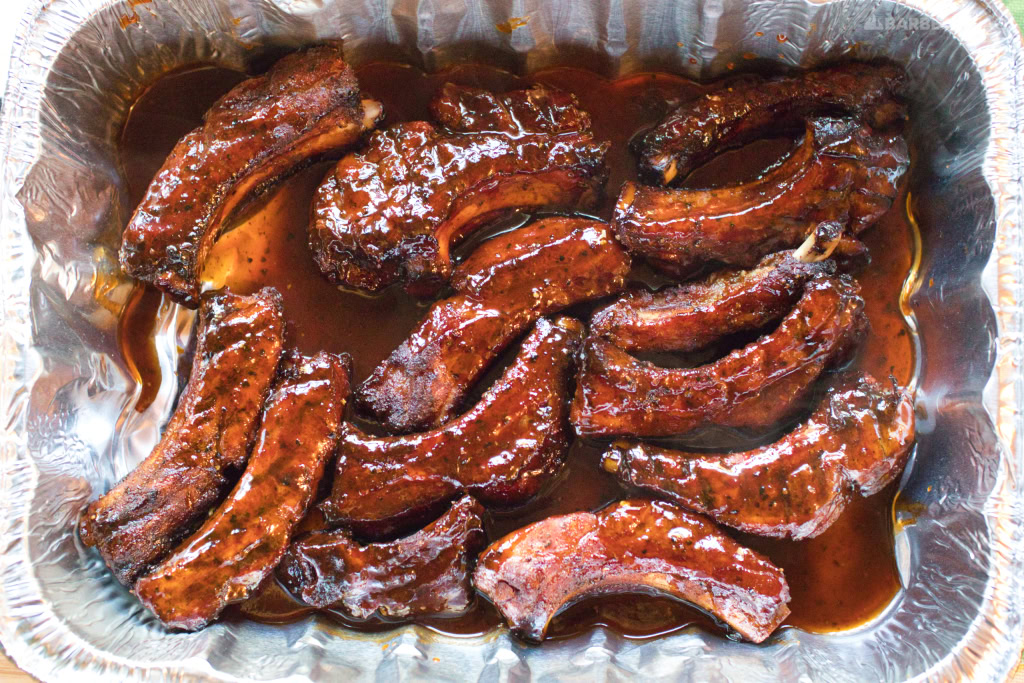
839	580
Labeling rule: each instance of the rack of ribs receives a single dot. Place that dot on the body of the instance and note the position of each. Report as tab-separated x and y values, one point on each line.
841	171
239	545
739	110
858	438
139	521
426	573
306	107
393	211
502	451
752	387
635	546
500	290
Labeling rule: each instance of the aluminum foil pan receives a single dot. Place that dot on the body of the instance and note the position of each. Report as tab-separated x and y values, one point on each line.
70	430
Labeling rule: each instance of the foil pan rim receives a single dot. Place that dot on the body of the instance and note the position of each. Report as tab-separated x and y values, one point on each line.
55	650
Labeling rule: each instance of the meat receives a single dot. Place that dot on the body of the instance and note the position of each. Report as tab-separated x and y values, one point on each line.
241	543
307	106
501	289
502	451
393	211
858	438
635	546
753	387
426	573
739	110
139	521
691	316
841	171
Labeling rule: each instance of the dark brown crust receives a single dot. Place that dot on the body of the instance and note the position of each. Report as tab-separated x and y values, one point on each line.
501	289
241	543
858	438
392	211
502	451
635	546
740	109
540	109
427	573
754	387
306	106
841	171
139	521
694	315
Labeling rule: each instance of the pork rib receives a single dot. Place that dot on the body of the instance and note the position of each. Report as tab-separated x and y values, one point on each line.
858	438
635	546
139	521
307	106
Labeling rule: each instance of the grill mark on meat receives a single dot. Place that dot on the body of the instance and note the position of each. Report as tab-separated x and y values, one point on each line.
858	438
393	211
240	544
501	289
754	387
841	171
307	106
741	109
427	573
635	546
139	521
502	451
695	315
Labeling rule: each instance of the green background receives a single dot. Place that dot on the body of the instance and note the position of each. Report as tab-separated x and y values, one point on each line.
1017	7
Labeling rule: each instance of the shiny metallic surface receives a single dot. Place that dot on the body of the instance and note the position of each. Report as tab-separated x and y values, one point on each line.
67	403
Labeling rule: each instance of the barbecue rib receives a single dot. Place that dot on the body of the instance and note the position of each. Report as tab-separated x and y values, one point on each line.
540	109
841	171
502	451
308	105
139	521
426	573
691	316
394	210
740	110
633	546
858	438
755	386
508	283
241	543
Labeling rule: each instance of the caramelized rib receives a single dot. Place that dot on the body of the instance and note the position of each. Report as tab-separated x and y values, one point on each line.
755	386
858	438
738	110
139	521
393	211
308	105
502	451
241	543
636	546
426	573
501	289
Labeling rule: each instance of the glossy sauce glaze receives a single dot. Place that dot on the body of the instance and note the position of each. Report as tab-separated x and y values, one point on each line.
838	580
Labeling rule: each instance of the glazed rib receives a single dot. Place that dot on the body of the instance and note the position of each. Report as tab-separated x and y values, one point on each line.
501	289
858	438
540	109
139	521
694	315
841	171
241	543
754	387
427	573
308	105
393	211
502	451
738	110
635	546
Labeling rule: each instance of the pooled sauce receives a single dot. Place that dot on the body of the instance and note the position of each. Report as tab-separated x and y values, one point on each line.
838	580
